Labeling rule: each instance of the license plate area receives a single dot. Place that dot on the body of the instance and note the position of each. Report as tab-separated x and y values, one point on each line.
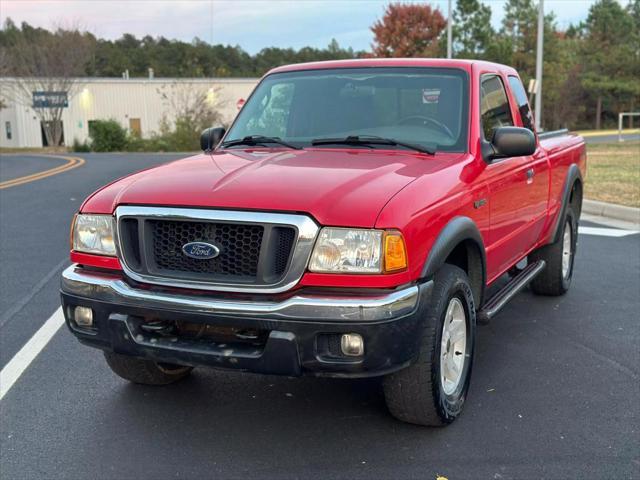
198	337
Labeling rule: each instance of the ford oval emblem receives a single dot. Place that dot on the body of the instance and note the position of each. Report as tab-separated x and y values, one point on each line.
200	250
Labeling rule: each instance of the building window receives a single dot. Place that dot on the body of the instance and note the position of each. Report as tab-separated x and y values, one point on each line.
7	129
91	125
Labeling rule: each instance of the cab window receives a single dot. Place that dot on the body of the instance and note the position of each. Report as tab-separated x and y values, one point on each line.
423	105
523	103
494	106
273	115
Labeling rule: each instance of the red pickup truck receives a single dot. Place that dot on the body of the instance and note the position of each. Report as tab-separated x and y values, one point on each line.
353	221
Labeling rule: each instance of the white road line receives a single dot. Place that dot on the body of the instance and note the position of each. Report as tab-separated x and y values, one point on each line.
606	232
24	301
21	361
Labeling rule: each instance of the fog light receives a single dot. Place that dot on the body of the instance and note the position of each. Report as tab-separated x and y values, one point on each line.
83	316
352	344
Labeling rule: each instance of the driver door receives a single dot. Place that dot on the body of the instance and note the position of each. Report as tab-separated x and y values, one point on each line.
507	180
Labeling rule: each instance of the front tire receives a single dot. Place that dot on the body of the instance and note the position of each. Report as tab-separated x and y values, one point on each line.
433	390
145	372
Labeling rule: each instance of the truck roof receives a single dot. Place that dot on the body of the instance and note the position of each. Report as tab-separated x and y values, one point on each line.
392	62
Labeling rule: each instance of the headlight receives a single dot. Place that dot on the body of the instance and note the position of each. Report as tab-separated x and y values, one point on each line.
94	234
345	250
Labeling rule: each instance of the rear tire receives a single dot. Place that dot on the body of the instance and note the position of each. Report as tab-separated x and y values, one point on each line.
555	279
432	391
145	372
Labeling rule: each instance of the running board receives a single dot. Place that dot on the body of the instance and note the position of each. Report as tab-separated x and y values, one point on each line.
506	293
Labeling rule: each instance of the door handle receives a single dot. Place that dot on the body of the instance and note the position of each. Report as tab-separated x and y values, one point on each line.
530	175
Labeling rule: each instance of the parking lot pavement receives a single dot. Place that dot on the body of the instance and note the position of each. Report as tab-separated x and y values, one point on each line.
34	236
554	392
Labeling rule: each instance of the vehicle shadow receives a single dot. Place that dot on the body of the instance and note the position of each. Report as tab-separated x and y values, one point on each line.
217	400
244	422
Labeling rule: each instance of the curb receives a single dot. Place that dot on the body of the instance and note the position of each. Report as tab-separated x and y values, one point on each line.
611	210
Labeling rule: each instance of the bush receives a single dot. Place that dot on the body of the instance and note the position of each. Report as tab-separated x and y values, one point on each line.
80	147
154	144
185	137
107	136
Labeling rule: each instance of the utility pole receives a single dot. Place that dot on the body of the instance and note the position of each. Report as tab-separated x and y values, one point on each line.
449	32
540	46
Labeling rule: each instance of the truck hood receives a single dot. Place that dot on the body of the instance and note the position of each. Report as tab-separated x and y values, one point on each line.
336	187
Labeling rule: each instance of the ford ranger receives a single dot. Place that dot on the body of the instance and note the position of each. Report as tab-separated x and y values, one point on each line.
359	218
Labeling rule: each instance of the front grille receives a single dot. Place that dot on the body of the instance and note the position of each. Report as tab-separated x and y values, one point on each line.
239	246
250	254
283	246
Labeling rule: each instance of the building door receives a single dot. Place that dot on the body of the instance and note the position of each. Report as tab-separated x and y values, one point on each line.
135	127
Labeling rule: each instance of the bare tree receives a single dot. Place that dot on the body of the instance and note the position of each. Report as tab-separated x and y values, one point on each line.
197	104
192	108
44	68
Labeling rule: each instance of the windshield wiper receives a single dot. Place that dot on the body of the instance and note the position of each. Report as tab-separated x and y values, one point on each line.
258	140
370	140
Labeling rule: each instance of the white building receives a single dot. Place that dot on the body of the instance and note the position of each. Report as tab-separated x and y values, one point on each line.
138	104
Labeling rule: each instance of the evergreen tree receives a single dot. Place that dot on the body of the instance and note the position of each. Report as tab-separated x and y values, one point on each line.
472	30
519	29
610	58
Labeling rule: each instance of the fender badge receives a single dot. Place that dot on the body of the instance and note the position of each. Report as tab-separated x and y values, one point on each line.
480	203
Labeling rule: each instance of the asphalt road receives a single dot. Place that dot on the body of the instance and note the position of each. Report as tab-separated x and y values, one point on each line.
555	390
13	167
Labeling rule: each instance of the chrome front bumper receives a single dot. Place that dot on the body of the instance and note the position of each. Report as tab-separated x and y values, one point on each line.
113	289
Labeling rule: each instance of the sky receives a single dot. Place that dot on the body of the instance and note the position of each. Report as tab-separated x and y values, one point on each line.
251	24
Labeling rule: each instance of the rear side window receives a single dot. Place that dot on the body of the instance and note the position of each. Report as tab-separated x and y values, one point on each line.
523	103
494	106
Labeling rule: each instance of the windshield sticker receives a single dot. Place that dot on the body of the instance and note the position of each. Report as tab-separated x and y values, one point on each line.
430	95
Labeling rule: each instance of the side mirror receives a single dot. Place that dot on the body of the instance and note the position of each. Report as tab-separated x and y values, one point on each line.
510	142
210	138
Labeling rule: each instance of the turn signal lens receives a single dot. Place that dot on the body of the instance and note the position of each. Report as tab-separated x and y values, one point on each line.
395	254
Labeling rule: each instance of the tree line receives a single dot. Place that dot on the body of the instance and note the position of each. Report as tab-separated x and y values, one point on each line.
591	70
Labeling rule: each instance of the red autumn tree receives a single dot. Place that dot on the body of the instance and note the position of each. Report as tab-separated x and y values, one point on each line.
408	30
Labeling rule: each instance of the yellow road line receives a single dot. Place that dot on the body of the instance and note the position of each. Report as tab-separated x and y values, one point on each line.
72	162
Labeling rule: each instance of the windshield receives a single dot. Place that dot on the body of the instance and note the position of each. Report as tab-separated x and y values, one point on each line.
423	106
